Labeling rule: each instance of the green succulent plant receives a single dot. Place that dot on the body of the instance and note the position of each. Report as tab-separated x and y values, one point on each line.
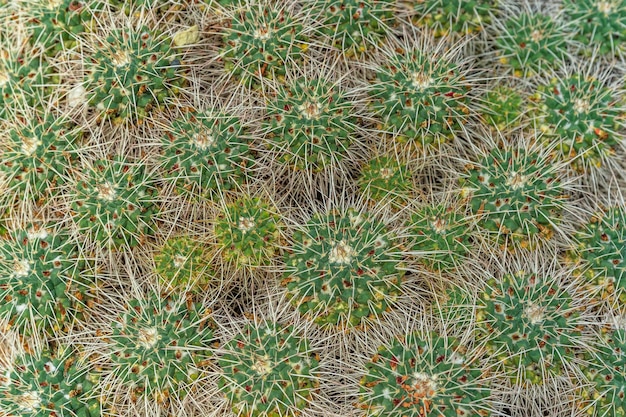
37	154
423	375
503	108
114	203
343	268
47	383
311	124
261	42
386	179
528	326
601	252
531	43
248	232
157	345
583	117
441	235
136	6
354	26
420	97
598	25
131	72
446	17
182	262
42	282
204	153
516	195
268	370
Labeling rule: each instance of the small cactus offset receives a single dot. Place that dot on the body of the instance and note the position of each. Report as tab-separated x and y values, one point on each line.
447	17
529	326
129	73
48	383
204	153
420	97
598	24
516	195
386	179
268	370
311	124
260	42
343	268
157	344
182	263
354	26
114	203
248	232
583	117
502	108
422	375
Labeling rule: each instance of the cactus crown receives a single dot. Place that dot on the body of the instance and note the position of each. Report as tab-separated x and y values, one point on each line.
342	269
260	43
268	370
453	16
50	384
515	194
182	262
355	26
130	72
311	124
441	234
420	97
204	152
598	24
531	42
386	179
157	342
248	232
582	116
528	325
114	203
420	375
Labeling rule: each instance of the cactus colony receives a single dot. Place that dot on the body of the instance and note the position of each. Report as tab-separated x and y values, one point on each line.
269	208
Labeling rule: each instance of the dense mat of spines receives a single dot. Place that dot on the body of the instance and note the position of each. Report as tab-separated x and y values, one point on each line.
268	370
422	375
343	268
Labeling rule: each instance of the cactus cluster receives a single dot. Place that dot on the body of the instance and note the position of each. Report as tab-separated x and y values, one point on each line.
598	25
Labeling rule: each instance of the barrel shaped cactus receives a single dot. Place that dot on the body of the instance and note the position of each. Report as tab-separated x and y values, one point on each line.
386	179
130	72
420	97
204	153
598	25
342	268
114	203
583	116
310	124
529	326
156	345
422	375
268	370
516	195
50	383
447	17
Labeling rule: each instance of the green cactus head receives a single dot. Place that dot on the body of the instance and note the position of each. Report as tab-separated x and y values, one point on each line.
37	153
420	97
601	251
129	73
598	24
342	268
114	203
528	326
446	17
268	370
50	383
40	280
311	124
182	263
387	180
354	26
583	117
261	42
422	375
156	346
441	235
248	232
204	153
531	43
516	195
502	108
